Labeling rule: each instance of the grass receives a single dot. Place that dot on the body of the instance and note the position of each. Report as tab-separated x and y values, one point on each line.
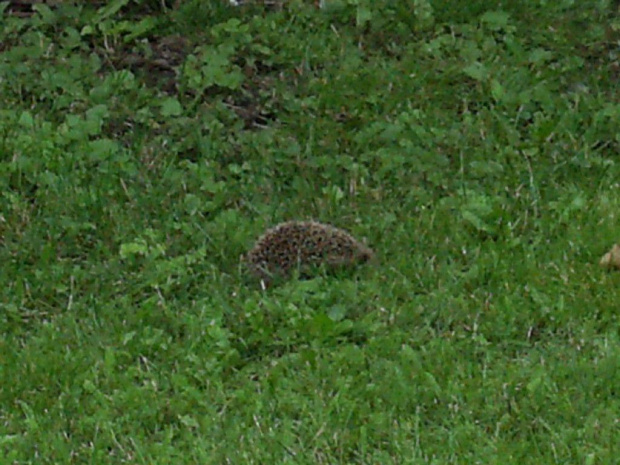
473	144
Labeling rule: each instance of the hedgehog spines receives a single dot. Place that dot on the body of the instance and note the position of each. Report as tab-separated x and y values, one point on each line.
302	245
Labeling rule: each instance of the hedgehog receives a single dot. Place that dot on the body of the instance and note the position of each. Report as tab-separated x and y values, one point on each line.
303	245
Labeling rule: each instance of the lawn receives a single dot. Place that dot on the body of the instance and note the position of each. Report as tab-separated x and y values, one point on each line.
474	145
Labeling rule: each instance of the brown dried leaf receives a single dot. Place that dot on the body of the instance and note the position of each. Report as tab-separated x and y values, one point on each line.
611	259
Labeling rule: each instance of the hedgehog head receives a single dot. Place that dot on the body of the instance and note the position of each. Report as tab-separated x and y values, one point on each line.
346	252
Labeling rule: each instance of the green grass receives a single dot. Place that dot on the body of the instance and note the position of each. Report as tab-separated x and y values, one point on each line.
473	144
